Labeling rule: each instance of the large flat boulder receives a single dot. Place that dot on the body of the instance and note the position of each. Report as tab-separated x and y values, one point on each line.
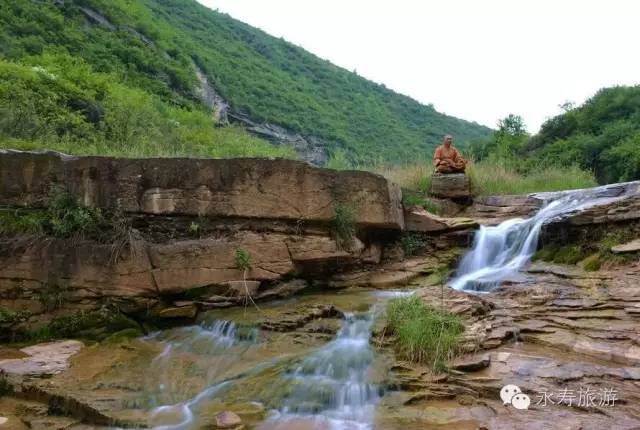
450	186
632	246
418	219
241	187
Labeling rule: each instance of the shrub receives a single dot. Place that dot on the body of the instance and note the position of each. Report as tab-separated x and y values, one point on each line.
412	243
410	198
343	225
6	389
66	217
422	333
194	229
592	263
243	259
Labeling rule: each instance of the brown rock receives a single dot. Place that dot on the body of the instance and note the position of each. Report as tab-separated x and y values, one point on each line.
419	220
471	364
43	359
183	265
242	187
633	246
228	420
450	186
242	288
284	289
189	312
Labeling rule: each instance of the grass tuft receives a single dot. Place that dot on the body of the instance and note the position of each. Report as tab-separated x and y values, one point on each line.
424	334
492	178
343	225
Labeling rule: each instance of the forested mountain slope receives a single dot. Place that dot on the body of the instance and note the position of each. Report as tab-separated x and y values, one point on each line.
142	77
603	135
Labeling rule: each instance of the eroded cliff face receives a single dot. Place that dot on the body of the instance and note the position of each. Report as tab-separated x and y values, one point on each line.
186	224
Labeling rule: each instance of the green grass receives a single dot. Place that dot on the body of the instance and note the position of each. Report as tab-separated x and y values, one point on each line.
592	263
148	97
243	259
65	217
411	198
412	243
58	102
6	389
422	333
592	251
488	178
343	225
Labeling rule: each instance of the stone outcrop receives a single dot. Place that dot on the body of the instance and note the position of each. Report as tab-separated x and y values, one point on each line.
620	203
554	331
491	210
417	219
450	186
186	222
42	359
633	246
237	188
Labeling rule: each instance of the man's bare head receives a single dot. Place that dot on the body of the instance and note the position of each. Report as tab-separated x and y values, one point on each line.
447	140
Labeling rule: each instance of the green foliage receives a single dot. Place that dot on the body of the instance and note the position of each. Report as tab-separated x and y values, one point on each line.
13	222
339	161
602	135
243	259
194	229
410	199
66	106
92	325
592	263
423	333
66	217
9	317
412	243
125	84
6	389
568	254
343	225
591	251
52	297
493	178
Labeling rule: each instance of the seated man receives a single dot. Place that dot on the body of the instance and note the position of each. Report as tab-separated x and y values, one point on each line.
447	159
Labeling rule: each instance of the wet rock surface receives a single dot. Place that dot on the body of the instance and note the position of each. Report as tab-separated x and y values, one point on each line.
556	331
567	338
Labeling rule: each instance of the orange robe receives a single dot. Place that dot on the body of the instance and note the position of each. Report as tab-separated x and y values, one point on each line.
448	160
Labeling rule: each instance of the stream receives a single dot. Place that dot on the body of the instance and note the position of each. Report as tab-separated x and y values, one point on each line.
325	378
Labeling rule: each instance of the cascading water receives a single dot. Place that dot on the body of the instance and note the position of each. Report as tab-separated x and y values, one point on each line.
219	343
331	388
499	252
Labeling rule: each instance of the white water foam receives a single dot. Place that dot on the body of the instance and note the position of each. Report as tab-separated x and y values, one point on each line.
499	252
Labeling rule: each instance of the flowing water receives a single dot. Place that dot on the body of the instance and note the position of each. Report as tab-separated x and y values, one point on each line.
328	386
331	386
499	252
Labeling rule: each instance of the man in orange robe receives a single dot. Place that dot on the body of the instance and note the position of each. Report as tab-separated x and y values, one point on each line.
447	159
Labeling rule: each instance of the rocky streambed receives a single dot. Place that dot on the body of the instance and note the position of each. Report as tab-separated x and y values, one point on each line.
236	304
566	337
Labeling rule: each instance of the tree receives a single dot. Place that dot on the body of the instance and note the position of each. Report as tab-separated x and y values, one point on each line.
512	125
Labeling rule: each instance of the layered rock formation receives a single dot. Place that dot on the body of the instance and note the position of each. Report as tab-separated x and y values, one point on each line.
185	224
564	336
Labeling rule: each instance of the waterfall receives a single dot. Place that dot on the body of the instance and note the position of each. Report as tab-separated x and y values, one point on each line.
499	252
331	387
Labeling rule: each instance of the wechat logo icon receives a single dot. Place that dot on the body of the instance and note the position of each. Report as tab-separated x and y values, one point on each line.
513	395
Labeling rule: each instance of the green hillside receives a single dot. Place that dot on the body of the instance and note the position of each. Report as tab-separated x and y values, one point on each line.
118	76
602	135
